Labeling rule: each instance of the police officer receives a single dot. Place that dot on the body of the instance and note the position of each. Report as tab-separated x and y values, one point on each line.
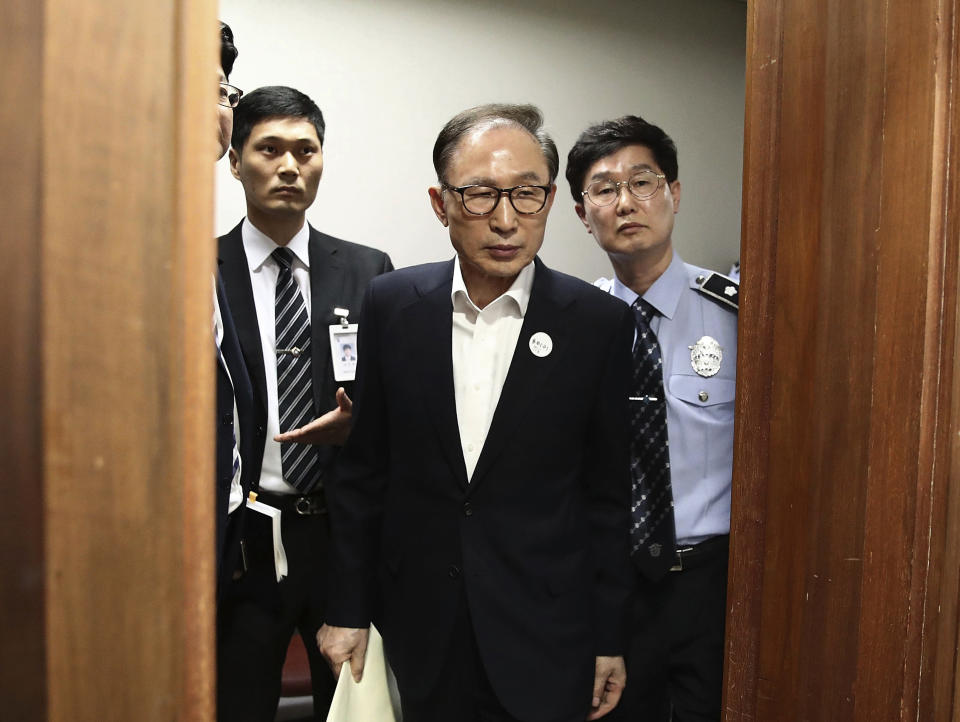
623	177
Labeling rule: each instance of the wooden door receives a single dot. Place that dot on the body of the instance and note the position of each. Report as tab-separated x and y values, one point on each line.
843	584
106	378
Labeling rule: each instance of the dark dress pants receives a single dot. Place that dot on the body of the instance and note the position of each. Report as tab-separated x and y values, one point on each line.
463	691
257	616
675	657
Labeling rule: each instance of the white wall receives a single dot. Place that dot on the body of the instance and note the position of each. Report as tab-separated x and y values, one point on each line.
389	74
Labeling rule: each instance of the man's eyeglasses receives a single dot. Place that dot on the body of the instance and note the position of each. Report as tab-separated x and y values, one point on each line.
642	185
479	200
229	95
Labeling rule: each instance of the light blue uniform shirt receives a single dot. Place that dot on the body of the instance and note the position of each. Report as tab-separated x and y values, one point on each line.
699	409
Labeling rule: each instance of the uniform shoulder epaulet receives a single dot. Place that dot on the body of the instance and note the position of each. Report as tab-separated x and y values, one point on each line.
724	290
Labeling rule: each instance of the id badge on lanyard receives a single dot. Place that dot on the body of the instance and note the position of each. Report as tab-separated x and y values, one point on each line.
343	347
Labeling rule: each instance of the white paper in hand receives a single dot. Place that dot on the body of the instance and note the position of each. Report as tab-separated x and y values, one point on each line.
368	699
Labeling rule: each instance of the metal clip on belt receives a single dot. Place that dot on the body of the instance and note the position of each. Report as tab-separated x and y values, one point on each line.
697	554
678	566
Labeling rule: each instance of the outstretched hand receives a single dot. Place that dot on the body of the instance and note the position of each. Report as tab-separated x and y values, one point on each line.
332	428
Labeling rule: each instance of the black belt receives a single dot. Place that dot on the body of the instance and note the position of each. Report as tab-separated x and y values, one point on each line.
310	504
695	555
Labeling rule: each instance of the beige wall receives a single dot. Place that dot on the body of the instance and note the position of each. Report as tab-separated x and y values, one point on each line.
387	74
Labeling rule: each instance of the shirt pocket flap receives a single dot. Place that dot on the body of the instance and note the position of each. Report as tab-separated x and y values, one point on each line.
702	391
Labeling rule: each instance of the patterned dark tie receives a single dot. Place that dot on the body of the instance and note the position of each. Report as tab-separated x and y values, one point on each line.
300	463
653	534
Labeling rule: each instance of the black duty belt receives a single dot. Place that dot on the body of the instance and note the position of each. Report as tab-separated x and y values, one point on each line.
688	557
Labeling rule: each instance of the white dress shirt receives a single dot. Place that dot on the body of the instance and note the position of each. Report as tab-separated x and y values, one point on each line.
483	344
263	277
236	491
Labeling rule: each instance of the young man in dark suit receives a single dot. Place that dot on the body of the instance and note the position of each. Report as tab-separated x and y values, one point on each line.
480	516
284	280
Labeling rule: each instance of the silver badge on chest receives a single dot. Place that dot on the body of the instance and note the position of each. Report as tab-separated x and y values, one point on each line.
706	356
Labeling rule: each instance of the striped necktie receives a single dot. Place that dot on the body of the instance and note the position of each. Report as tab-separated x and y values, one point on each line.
653	534
300	462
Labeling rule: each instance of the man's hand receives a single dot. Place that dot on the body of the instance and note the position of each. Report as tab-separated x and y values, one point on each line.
608	683
339	644
331	428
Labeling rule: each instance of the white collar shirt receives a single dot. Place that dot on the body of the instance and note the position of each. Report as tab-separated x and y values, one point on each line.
264	270
484	341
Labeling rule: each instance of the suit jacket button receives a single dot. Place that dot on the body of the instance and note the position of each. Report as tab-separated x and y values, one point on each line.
453	571
227	419
467	509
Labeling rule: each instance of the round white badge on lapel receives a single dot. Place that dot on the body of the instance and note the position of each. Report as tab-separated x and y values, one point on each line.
541	344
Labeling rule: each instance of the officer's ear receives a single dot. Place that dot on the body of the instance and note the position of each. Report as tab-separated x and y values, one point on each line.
437	202
675	194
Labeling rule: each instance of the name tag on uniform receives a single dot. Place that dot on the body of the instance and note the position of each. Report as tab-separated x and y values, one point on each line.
343	351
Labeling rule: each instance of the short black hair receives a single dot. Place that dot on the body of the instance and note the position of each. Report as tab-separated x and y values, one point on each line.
527	117
603	139
273	101
228	51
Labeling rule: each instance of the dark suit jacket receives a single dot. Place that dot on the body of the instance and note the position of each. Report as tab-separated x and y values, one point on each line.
537	540
235	386
339	273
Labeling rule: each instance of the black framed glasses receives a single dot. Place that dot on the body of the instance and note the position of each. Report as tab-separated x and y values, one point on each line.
642	185
479	200
229	95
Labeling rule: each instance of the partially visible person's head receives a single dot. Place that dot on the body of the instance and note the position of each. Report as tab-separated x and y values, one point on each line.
228	51
493	115
608	137
273	101
228	54
276	153
496	167
623	178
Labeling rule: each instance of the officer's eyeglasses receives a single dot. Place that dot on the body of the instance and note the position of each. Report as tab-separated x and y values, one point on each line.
642	185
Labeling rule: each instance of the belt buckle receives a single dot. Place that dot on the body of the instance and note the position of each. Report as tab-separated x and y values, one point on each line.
678	555
305	506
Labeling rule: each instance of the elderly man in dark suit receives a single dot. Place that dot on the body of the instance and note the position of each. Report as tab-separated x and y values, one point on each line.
287	283
480	513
